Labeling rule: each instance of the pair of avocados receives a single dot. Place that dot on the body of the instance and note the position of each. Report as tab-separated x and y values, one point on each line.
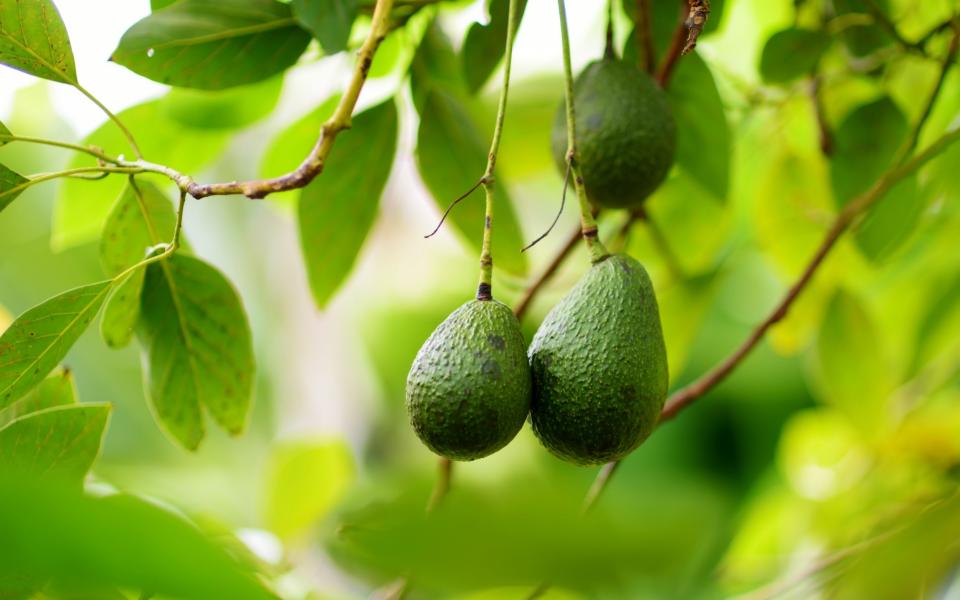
594	379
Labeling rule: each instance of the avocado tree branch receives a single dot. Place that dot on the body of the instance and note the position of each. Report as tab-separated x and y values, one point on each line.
309	168
849	216
693	16
643	34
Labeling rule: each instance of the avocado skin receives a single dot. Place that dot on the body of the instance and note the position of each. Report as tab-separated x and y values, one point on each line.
468	391
626	135
599	366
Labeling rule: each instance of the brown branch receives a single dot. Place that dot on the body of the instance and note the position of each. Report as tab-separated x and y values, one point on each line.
692	19
823	128
646	53
313	164
524	303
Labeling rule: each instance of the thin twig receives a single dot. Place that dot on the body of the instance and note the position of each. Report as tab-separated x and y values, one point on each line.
674	51
440	489
699	12
599	484
823	128
531	292
563	202
643	32
881	19
450	207
116	120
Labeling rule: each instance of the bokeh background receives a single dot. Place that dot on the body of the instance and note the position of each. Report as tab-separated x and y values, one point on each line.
824	467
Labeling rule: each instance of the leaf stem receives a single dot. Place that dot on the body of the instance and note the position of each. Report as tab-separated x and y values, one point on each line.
116	120
643	32
485	287
588	225
42	177
58	144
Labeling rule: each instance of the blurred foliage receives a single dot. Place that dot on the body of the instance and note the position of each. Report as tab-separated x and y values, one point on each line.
825	466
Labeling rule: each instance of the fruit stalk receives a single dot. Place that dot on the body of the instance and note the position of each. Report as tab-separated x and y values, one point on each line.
485	287
588	225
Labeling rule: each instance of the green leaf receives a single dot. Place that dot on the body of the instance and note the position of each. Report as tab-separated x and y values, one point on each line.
305	480
792	53
703	134
224	109
291	146
337	210
122	310
52	531
213	45
451	157
485	43
156	5
198	348
330	21
34	40
142	218
865	144
4	131
62	441
56	390
10	182
851	368
82	207
39	339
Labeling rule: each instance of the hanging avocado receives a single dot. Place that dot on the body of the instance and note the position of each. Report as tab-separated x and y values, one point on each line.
599	366
626	134
468	391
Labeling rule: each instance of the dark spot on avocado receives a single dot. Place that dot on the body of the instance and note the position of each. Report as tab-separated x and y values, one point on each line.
496	341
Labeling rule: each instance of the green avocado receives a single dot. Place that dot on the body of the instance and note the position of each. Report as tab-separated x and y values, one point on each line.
626	136
468	391
600	366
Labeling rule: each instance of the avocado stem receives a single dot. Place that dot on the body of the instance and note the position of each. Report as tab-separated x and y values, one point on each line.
588	225
485	287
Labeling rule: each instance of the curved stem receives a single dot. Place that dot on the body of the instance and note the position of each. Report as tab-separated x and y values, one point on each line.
112	117
57	144
588	224
524	304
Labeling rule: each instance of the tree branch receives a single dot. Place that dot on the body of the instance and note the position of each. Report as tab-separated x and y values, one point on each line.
693	16
646	53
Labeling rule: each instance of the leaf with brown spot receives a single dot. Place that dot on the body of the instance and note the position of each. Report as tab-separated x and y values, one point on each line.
34	40
198	348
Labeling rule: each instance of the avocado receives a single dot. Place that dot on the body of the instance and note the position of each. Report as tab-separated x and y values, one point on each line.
468	391
626	135
599	366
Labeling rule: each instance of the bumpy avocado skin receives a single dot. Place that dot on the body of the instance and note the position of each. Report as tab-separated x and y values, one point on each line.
626	135
468	391
600	366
